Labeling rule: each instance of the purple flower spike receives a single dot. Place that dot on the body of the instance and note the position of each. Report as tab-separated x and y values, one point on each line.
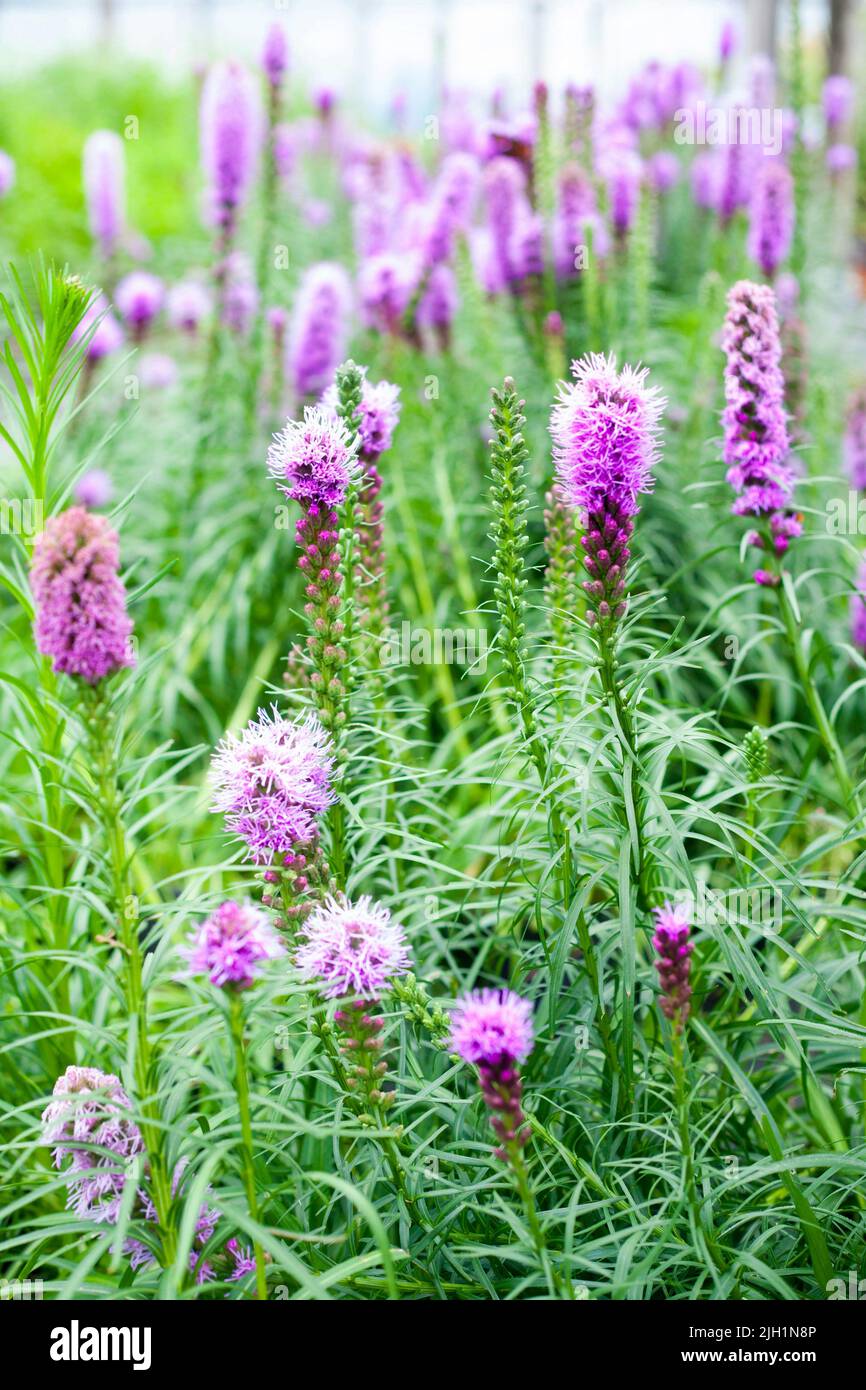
139	298
103	188
81	620
107	337
493	1029
377	415
272	783
319	331
94	488
231	127
91	1108
275	54
187	304
771	224
352	948
674	949
230	946
837	99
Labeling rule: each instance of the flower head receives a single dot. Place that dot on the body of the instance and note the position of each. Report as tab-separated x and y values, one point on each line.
106	337
353	948
605	432
491	1025
81	620
91	1111
231	944
103	188
319	329
771	214
231	132
275	54
139	297
273	781
187	303
94	488
314	460
674	949
837	98
377	415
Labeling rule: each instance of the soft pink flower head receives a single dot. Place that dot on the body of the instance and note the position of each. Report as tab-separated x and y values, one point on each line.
106	338
491	1025
377	415
605	429
187	304
352	948
314	460
275	54
81	619
230	946
103	188
139	297
7	173
841	159
231	127
158	371
273	781
94	488
91	1108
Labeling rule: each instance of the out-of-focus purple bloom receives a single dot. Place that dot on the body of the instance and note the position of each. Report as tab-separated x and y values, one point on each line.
231	126
727	42
504	192
7	173
452	202
787	294
771	224
376	417
526	251
286	149
664	170
490	1026
438	303
157	371
733	188
107	336
240	294
837	99
674	963
385	286
81	619
576	204
705	179
139	297
275	54
273	782
854	442
103	188
91	1111
94	488
325	102
187	304
858	609
316	212
319	331
762	83
840	159
352	948
277	320
313	460
622	171
230	946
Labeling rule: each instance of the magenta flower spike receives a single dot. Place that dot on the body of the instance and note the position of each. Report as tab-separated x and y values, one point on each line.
837	99
231	130
139	297
91	1111
81	619
756	443
319	328
188	304
492	1029
103	168
674	963
605	429
771	214
275	55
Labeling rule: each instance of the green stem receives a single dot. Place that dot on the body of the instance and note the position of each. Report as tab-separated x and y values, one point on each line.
236	1025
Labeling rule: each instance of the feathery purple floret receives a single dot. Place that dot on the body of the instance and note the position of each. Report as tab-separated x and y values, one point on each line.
771	214
231	944
377	415
91	1108
605	429
230	132
273	782
319	331
314	460
674	950
81	619
103	188
492	1025
352	948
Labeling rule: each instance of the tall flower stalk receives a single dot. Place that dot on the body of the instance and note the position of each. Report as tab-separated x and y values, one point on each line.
756	451
229	949
275	58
